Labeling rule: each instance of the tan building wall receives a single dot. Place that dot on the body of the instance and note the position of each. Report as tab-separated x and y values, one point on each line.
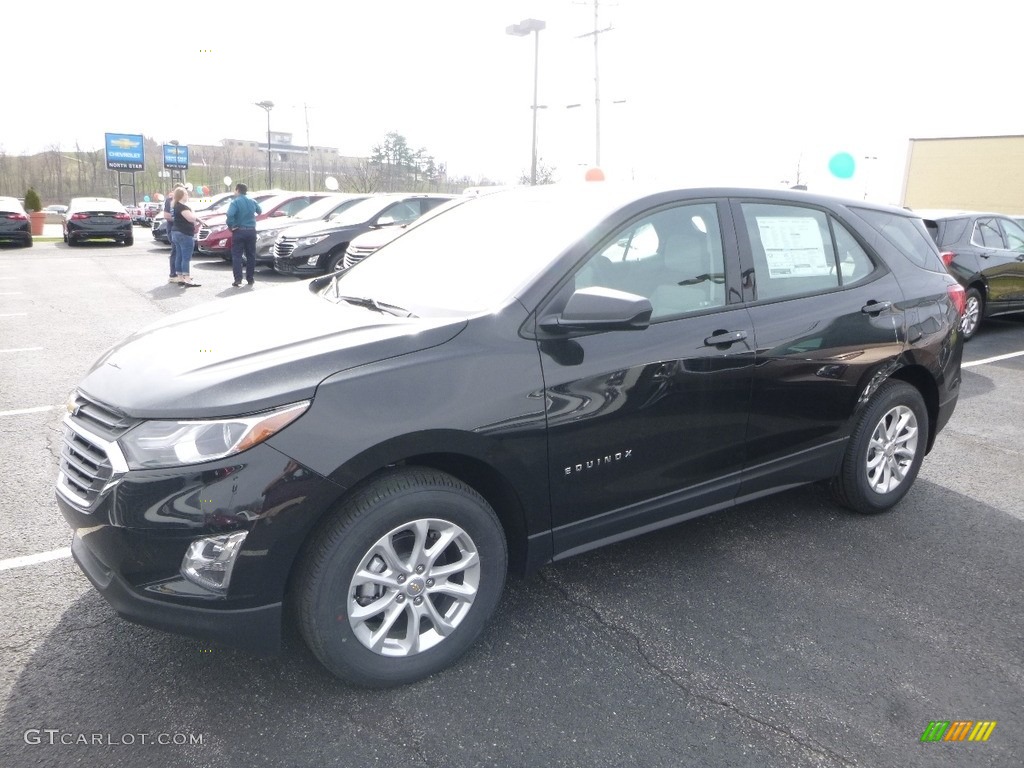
975	173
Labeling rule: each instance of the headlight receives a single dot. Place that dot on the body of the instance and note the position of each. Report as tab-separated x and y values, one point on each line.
218	228
312	240
155	444
267	234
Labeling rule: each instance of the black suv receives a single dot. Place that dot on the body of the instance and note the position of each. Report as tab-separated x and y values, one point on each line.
318	247
481	397
985	252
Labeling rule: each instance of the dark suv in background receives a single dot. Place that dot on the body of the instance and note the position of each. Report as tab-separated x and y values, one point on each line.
313	249
528	376
985	252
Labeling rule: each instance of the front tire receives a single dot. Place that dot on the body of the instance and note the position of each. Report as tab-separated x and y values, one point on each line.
885	450
334	261
973	312
399	582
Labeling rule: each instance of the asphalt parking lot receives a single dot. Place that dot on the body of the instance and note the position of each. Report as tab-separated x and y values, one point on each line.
781	633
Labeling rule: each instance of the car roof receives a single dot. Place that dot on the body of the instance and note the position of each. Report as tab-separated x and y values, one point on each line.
940	214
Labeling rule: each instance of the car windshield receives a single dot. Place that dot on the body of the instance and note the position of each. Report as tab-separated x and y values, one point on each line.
320	208
475	256
362	211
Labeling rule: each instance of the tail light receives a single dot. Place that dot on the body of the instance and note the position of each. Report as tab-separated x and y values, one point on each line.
79	216
121	216
958	296
17	216
947	257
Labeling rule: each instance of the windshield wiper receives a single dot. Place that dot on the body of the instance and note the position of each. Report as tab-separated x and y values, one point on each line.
377	306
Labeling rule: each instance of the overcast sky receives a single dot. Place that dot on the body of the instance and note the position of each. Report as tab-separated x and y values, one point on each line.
718	92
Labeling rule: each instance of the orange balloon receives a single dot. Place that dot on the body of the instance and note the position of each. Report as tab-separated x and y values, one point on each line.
594	174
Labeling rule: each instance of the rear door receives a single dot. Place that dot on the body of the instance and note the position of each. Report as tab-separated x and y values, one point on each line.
1003	266
828	317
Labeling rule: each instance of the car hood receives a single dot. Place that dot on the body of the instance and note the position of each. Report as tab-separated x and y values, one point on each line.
212	219
249	353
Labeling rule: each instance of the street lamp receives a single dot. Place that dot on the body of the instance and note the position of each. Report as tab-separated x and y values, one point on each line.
522	29
267	105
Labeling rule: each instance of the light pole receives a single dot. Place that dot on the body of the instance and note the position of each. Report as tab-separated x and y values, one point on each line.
267	105
522	29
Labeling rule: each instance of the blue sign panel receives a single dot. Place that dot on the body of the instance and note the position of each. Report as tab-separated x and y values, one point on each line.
125	152
175	157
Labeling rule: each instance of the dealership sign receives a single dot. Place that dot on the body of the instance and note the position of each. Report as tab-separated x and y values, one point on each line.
175	157
125	152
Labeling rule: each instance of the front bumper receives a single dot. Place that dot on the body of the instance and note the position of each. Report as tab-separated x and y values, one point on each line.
131	539
299	264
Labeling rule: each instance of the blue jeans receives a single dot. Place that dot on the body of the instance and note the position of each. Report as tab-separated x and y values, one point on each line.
182	246
243	242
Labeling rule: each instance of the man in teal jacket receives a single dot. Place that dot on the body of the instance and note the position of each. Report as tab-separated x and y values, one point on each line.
242	215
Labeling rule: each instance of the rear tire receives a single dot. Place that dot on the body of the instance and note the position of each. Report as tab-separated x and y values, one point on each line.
885	450
399	582
973	313
130	240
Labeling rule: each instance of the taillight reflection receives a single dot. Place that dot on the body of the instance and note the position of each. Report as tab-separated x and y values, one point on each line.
947	257
958	297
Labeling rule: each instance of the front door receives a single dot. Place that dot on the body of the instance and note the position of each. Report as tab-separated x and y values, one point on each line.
646	426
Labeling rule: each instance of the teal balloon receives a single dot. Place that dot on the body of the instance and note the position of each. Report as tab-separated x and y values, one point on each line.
145	199
842	165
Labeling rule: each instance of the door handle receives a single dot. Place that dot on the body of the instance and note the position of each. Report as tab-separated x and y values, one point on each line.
725	338
876	307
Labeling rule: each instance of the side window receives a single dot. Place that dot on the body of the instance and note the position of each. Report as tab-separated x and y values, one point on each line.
1014	235
673	257
792	250
294	206
987	234
854	262
399	213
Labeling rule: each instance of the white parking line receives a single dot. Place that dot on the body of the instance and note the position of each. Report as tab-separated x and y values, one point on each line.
15	314
995	359
22	349
42	557
37	409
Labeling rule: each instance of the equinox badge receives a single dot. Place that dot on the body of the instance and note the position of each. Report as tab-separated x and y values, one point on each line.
600	461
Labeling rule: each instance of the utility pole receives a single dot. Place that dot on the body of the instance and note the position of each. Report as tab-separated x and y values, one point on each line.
309	148
597	83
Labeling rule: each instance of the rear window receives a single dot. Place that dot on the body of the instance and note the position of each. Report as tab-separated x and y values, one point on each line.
908	235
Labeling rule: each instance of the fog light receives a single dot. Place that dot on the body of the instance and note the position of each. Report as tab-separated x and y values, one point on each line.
312	260
209	562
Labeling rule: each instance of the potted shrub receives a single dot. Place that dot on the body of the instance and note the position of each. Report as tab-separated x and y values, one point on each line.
34	206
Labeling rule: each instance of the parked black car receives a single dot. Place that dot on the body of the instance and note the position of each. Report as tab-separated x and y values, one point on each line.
479	397
15	224
97	218
985	252
313	249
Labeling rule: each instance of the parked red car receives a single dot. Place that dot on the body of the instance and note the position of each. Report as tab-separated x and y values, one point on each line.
214	237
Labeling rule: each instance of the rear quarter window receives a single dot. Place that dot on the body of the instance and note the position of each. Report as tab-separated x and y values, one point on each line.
908	235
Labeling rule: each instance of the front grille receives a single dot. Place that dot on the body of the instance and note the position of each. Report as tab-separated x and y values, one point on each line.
204	232
100	419
354	255
284	247
89	454
84	466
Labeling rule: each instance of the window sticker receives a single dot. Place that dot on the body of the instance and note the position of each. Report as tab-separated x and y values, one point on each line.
793	247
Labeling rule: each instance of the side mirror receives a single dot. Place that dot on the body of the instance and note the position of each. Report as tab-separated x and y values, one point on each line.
601	309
